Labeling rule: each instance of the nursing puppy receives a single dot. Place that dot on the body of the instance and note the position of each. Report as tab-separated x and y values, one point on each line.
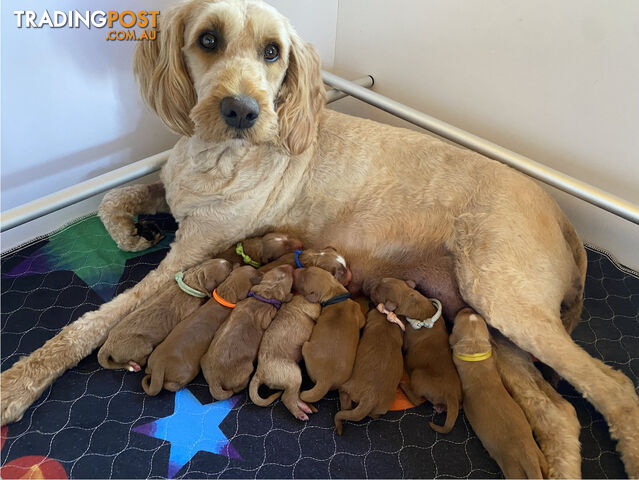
257	251
330	352
428	358
176	361
131	341
228	363
497	420
379	366
280	353
327	259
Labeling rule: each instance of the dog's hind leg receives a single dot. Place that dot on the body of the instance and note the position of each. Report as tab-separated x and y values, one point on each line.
291	396
345	402
610	391
552	418
119	207
413	398
25	381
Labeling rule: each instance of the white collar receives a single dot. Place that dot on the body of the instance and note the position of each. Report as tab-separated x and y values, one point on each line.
429	322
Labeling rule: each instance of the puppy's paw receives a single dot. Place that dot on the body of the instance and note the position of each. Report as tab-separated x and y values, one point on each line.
134	366
439	408
306	408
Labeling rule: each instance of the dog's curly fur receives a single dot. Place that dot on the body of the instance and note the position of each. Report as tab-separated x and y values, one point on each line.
396	203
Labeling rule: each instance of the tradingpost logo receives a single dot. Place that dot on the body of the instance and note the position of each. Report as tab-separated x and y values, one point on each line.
120	24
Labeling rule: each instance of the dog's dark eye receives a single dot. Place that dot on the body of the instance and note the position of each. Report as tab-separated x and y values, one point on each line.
208	40
271	52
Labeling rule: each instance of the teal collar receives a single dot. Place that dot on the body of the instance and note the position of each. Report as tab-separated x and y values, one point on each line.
179	278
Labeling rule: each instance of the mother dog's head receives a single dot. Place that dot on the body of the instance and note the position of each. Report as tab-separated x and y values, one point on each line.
225	69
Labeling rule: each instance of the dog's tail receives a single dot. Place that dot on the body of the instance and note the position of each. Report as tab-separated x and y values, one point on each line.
360	411
256	381
218	393
452	410
152	383
316	393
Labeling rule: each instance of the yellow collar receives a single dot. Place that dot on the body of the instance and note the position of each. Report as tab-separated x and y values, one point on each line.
473	357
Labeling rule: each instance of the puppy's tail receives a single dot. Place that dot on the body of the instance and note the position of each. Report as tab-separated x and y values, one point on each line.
152	383
316	393
218	393
256	381
359	412
452	410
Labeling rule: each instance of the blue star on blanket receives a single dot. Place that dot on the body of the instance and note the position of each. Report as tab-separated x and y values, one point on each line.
192	427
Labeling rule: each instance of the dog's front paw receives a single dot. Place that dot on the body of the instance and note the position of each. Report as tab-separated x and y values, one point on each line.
16	394
137	236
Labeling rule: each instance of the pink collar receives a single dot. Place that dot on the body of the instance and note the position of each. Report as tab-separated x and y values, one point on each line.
390	316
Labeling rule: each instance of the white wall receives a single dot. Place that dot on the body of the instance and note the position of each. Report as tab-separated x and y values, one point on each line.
555	81
71	109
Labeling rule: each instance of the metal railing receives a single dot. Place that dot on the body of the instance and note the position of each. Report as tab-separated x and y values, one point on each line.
341	88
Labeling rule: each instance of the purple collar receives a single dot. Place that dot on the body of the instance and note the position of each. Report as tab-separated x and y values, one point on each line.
271	301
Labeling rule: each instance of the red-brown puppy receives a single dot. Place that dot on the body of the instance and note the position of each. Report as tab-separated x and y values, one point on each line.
131	341
228	363
379	366
330	352
497	420
328	259
257	251
428	358
176	361
280	354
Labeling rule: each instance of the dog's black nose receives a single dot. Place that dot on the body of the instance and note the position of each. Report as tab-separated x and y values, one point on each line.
240	112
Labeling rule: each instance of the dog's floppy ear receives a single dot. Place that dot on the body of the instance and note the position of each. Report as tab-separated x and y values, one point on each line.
301	97
160	69
411	283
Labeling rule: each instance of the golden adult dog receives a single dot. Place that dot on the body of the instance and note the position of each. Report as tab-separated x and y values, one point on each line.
395	202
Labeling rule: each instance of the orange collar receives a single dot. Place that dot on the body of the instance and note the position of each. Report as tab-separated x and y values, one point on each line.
221	301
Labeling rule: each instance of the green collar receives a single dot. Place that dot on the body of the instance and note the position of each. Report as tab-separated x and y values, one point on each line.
239	249
179	278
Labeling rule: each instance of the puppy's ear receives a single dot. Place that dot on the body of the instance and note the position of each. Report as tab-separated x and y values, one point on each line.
411	284
162	74
301	97
288	297
313	297
256	278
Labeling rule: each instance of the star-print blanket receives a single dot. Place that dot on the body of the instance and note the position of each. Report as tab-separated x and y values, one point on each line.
96	423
